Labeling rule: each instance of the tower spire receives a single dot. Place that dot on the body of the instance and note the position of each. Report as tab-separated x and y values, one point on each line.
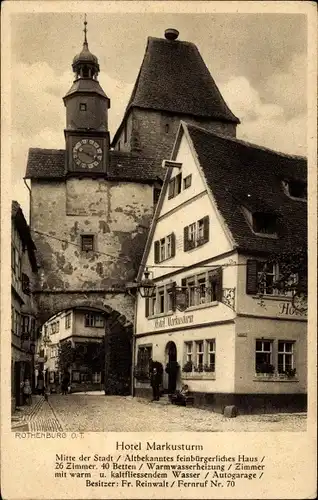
85	31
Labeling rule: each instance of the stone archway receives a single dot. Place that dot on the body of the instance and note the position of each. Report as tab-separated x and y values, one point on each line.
118	331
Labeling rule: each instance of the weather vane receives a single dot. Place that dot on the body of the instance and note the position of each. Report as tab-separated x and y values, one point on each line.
85	29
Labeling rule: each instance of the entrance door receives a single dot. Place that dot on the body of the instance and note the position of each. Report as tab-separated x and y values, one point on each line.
172	366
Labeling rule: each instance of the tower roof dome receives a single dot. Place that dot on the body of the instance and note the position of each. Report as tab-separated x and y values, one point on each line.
85	56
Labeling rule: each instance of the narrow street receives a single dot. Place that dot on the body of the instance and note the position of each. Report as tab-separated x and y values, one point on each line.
99	413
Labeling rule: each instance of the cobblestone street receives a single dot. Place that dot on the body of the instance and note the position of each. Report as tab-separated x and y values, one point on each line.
96	412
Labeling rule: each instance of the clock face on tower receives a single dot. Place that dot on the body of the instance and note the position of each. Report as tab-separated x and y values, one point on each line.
87	153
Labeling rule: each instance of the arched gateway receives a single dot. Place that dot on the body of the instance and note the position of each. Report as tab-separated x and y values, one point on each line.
118	330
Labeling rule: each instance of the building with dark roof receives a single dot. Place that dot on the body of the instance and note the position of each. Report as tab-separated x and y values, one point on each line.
173	84
229	215
23	307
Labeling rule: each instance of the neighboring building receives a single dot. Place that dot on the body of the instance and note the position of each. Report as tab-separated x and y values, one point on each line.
173	84
23	308
227	208
80	327
91	207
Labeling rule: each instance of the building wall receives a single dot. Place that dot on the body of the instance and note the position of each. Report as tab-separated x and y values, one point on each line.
220	381
117	214
250	329
157	130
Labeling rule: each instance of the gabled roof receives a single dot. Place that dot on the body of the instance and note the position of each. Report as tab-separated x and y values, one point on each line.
23	229
242	174
50	164
174	78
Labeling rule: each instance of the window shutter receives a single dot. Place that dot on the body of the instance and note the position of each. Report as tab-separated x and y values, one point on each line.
186	238
251	277
219	289
302	281
147	307
174	296
206	226
173	244
171	189
156	252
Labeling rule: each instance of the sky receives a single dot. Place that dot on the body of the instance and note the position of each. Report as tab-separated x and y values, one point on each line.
258	61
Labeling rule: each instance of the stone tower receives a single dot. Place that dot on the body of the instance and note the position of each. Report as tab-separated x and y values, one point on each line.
91	209
173	84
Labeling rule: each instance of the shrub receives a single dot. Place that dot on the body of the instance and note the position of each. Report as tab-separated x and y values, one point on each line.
187	367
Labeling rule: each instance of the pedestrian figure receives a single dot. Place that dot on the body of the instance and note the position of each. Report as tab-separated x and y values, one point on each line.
65	383
27	391
155	380
40	385
180	397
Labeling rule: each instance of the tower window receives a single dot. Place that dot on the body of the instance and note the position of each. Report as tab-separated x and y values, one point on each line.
87	243
167	128
83	106
85	72
125	131
118	146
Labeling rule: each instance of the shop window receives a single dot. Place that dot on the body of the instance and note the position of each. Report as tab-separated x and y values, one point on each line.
264	356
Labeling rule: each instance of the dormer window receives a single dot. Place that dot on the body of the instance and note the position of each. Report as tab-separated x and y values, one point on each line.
264	223
295	189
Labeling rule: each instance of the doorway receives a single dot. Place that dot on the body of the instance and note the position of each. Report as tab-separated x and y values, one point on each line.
172	366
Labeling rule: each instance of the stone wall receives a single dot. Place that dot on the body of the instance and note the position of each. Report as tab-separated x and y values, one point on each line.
118	215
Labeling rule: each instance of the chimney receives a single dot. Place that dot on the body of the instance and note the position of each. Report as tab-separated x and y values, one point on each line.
171	34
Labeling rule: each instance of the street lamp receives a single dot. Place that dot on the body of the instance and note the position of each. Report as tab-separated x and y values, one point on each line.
147	288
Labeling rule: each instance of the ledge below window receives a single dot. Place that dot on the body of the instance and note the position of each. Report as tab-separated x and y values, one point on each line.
198	375
263	377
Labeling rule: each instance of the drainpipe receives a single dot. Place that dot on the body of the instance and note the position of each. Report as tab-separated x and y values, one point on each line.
24	179
134	349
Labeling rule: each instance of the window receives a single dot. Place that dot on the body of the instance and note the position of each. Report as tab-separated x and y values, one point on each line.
162	249
204	288
187	181
261	278
25	326
263	356
83	106
174	186
57	326
94	320
211	355
167	128
170	297
296	189
87	243
165	248
161	300
25	284
264	223
196	234
199	355
118	146
188	352
285	356
144	355
68	320
204	357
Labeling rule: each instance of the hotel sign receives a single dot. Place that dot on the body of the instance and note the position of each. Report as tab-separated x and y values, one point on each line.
172	321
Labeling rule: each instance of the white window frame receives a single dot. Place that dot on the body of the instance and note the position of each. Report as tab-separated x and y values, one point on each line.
210	351
189	352
199	353
263	351
285	354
